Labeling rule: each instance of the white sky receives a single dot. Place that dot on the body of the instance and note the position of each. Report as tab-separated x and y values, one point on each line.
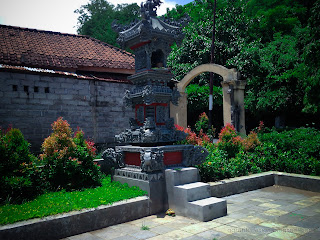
56	15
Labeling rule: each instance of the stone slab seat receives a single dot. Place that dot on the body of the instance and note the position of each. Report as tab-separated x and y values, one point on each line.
207	209
193	191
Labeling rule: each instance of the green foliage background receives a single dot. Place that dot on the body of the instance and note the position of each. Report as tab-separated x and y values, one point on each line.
95	19
275	44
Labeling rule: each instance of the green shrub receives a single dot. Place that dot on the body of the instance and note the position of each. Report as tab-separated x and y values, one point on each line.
304	140
219	166
292	151
229	141
69	160
202	125
20	177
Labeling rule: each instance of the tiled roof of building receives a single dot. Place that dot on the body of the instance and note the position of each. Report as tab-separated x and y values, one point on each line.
60	51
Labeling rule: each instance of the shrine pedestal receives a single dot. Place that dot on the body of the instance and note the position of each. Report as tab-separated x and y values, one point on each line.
144	167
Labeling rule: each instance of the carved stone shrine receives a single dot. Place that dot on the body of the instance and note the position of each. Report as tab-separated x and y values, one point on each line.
149	148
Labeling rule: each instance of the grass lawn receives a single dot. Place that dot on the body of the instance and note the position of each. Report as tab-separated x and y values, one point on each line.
61	202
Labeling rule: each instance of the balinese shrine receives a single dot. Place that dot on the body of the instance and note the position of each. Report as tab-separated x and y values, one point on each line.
147	155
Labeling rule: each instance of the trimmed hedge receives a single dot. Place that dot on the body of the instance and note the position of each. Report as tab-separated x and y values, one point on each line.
292	151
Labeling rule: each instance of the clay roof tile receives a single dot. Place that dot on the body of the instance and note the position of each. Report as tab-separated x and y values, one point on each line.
37	48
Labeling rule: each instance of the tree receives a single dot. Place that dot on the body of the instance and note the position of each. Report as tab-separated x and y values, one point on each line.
95	19
274	44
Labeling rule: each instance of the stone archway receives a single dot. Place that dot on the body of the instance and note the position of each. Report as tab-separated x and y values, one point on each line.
233	96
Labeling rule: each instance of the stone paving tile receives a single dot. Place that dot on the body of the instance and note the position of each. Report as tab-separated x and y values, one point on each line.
225	229
308	224
266	218
283	235
310	236
290	218
176	225
125	237
211	234
305	203
257	208
160	237
285	202
275	212
246	235
212	224
127	227
292	207
252	219
308	211
178	234
162	229
273	225
269	238
269	205
84	236
262	200
250	228
225	220
143	234
195	228
232	209
248	212
296	230
137	221
231	237
237	215
194	237
109	233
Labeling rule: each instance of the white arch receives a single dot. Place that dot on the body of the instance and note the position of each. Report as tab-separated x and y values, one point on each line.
225	73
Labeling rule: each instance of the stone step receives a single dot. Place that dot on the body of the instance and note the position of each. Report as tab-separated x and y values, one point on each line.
185	175
193	191
207	209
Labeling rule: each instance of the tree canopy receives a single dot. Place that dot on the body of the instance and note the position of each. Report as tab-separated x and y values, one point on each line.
95	19
275	44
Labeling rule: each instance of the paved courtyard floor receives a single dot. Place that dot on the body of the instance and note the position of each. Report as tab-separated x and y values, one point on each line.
270	213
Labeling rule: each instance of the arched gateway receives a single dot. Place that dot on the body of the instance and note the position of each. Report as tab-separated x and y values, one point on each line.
233	96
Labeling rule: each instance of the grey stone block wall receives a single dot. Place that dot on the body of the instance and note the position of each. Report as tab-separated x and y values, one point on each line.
38	100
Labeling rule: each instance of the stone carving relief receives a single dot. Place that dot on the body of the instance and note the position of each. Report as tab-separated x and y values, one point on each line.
151	160
133	124
113	158
140	59
149	8
127	101
161	114
148	95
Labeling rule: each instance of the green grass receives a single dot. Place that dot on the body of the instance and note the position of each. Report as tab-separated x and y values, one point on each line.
61	202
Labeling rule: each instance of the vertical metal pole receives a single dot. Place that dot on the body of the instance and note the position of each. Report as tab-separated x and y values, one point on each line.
212	61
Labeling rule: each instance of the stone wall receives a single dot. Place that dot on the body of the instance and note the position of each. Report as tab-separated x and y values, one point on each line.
32	102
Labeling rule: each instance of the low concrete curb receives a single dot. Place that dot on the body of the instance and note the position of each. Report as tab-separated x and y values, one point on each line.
73	223
238	185
299	181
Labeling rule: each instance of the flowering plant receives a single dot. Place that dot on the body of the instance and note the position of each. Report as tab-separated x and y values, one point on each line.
69	160
201	139
229	141
203	125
